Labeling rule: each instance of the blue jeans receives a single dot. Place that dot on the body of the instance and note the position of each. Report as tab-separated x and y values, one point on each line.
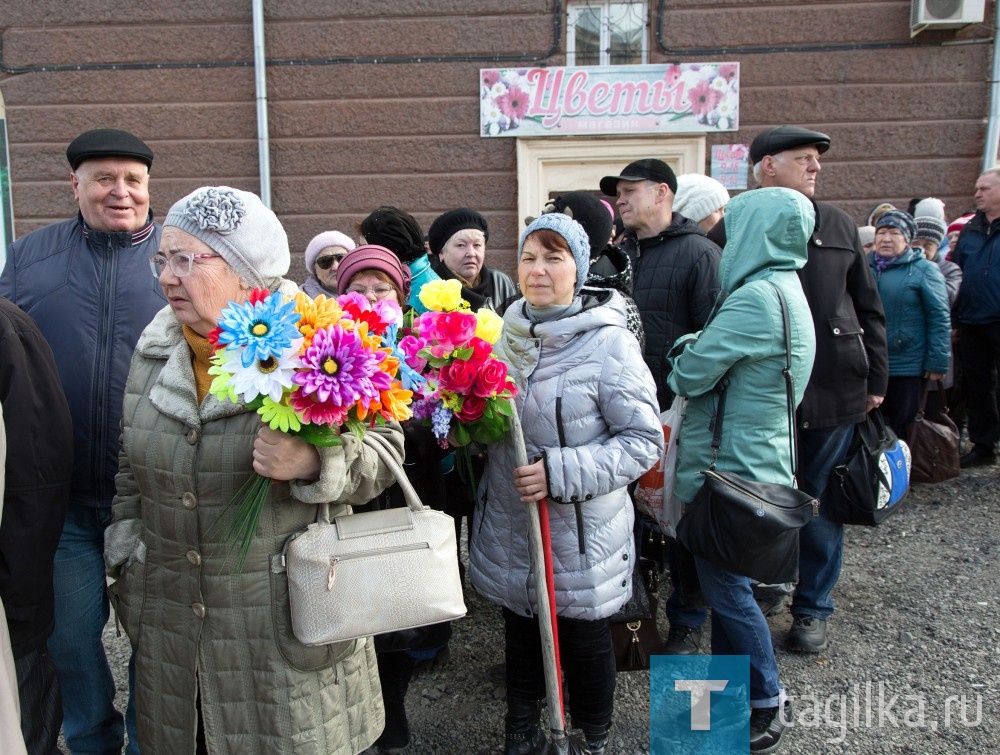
739	628
91	724
821	542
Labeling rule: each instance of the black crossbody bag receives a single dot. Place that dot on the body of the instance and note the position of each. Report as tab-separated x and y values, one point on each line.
748	527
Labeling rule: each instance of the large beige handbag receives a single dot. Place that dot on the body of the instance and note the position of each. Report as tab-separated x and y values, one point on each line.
373	572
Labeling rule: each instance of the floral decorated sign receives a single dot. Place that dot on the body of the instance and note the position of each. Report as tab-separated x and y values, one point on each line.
675	98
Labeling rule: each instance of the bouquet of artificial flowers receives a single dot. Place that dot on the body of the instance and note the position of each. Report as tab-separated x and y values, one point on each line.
466	393
309	367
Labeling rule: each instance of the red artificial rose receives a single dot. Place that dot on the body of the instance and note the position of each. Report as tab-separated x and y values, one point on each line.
491	378
472	409
458	376
481	351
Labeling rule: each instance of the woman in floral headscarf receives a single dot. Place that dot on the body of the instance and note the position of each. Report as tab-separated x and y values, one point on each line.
218	669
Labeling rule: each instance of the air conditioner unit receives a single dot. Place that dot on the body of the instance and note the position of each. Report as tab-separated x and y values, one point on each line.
944	14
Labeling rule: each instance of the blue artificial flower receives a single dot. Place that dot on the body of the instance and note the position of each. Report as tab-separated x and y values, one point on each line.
441	422
409	377
262	329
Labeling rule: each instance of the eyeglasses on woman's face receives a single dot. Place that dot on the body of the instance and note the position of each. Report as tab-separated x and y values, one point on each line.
380	292
180	263
325	263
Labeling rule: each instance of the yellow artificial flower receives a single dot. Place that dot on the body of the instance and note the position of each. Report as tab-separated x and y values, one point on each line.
488	325
443	296
451	401
222	386
280	416
397	401
316	313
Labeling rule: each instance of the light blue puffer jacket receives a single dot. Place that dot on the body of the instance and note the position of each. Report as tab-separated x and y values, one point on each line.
588	407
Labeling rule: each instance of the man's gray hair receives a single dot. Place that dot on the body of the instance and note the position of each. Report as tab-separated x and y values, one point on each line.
758	171
995	171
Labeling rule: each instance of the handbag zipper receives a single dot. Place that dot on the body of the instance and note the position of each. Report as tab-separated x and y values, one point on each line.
754	496
334	560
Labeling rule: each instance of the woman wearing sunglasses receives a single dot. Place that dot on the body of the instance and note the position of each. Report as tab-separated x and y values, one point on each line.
323	257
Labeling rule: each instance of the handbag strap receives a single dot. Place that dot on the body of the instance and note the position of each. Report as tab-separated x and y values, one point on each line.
723	384
387	456
922	409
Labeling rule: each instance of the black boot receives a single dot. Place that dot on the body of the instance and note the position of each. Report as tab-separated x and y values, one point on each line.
394	672
597	738
522	733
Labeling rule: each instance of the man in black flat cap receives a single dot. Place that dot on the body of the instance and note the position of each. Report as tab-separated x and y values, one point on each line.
850	373
676	284
86	282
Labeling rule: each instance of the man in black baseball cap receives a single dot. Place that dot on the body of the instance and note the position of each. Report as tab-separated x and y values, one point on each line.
675	286
647	169
86	282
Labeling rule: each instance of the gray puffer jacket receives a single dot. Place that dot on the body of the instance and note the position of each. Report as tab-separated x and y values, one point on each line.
588	407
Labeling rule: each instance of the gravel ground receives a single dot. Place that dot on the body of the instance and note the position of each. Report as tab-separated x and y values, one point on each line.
917	621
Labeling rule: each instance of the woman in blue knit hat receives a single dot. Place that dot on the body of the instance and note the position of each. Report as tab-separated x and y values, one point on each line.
590	420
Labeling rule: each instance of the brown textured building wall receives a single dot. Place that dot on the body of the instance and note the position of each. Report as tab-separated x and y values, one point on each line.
351	130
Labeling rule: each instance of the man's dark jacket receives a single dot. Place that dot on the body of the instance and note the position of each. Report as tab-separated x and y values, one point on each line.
676	284
91	293
38	473
978	247
851	358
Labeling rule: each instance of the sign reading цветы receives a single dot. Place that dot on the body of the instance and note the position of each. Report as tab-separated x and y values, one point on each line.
677	98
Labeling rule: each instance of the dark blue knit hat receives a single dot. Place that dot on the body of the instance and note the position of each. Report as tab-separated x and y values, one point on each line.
900	220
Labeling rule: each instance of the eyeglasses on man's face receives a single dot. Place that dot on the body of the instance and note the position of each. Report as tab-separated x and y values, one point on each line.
180	263
380	292
325	263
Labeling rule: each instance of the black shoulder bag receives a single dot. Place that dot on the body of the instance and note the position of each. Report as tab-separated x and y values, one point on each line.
747	527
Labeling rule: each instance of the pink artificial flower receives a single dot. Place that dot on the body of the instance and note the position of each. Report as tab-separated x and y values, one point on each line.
514	104
481	351
490	379
458	377
379	315
411	346
449	330
703	98
472	409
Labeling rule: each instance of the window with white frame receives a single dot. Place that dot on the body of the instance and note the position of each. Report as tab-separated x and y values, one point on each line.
602	33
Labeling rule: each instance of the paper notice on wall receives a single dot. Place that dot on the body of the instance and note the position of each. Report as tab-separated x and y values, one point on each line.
730	165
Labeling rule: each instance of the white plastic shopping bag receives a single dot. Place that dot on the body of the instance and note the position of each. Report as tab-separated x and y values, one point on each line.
654	493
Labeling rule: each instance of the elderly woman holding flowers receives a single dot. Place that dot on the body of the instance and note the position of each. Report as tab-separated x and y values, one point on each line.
588	408
217	667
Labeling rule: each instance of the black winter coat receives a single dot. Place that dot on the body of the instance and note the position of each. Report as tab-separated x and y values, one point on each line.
852	362
39	470
676	285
